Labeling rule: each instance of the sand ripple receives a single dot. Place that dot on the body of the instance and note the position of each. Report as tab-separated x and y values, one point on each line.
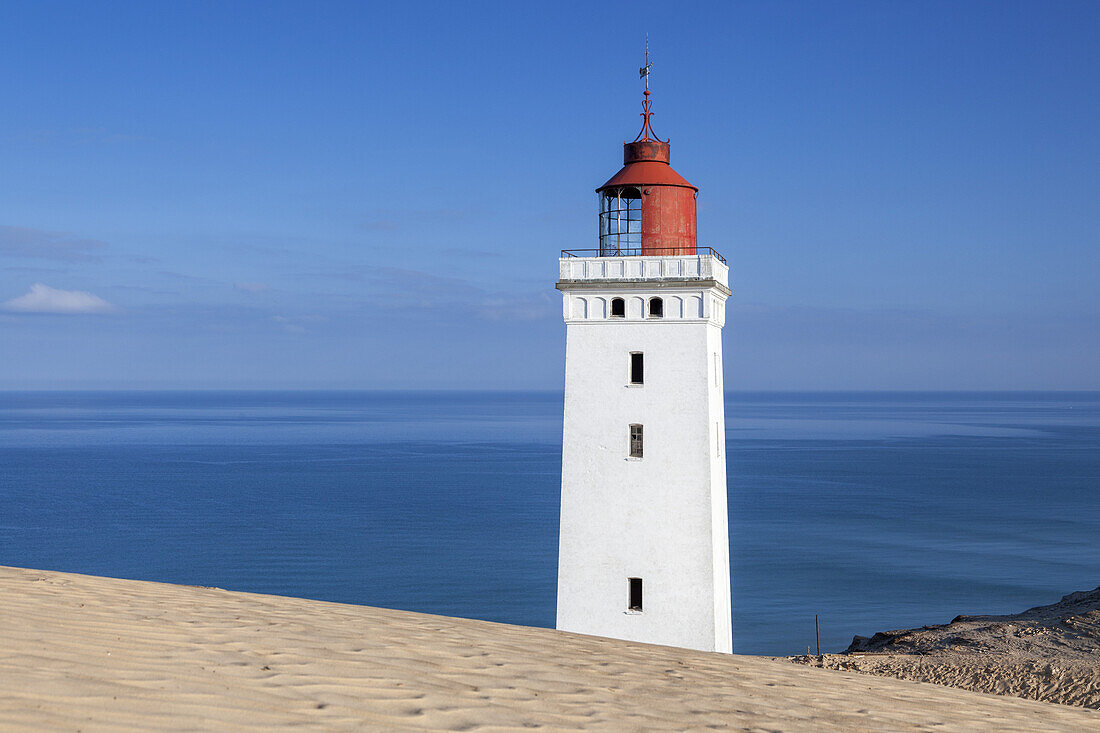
96	654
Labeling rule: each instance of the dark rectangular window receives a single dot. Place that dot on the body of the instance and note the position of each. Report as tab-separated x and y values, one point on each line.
636	361
635	441
635	594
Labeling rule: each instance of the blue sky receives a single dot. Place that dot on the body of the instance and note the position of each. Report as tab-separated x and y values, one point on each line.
359	195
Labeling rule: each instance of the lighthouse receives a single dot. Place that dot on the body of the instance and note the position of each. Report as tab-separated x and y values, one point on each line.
644	540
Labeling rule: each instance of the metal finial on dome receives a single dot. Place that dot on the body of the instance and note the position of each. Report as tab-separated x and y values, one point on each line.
646	134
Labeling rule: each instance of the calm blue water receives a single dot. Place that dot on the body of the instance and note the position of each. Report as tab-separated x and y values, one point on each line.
875	510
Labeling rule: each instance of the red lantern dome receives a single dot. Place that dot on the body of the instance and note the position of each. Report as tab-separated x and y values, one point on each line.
647	208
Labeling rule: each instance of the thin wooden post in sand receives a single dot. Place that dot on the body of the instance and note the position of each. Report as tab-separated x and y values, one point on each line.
817	628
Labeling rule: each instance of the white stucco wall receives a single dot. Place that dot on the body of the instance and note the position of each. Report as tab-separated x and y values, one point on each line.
662	517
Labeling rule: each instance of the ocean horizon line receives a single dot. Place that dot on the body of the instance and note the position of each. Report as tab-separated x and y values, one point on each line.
526	391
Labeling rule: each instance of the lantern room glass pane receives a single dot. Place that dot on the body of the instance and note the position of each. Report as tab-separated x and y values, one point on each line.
620	222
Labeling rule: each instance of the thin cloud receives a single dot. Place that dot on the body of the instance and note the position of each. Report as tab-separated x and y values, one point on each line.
521	307
390	219
397	280
82	135
44	299
379	225
41	244
473	253
296	324
34	270
145	289
184	276
251	287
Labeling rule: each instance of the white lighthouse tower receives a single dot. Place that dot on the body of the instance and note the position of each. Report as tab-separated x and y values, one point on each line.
644	544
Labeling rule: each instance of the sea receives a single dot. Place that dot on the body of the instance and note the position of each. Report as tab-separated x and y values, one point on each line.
864	511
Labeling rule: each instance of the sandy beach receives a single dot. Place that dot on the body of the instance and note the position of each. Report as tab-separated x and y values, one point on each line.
92	654
1049	653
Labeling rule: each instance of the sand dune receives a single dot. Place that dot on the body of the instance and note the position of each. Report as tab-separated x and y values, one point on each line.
1049	653
90	654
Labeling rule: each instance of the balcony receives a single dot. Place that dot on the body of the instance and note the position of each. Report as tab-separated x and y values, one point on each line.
588	265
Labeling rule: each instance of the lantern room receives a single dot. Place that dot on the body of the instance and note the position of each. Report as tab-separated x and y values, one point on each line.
647	208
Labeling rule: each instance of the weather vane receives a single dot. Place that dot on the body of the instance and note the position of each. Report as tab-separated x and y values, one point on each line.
643	73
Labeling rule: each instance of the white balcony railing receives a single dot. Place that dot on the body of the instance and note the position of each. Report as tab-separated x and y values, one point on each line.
701	266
